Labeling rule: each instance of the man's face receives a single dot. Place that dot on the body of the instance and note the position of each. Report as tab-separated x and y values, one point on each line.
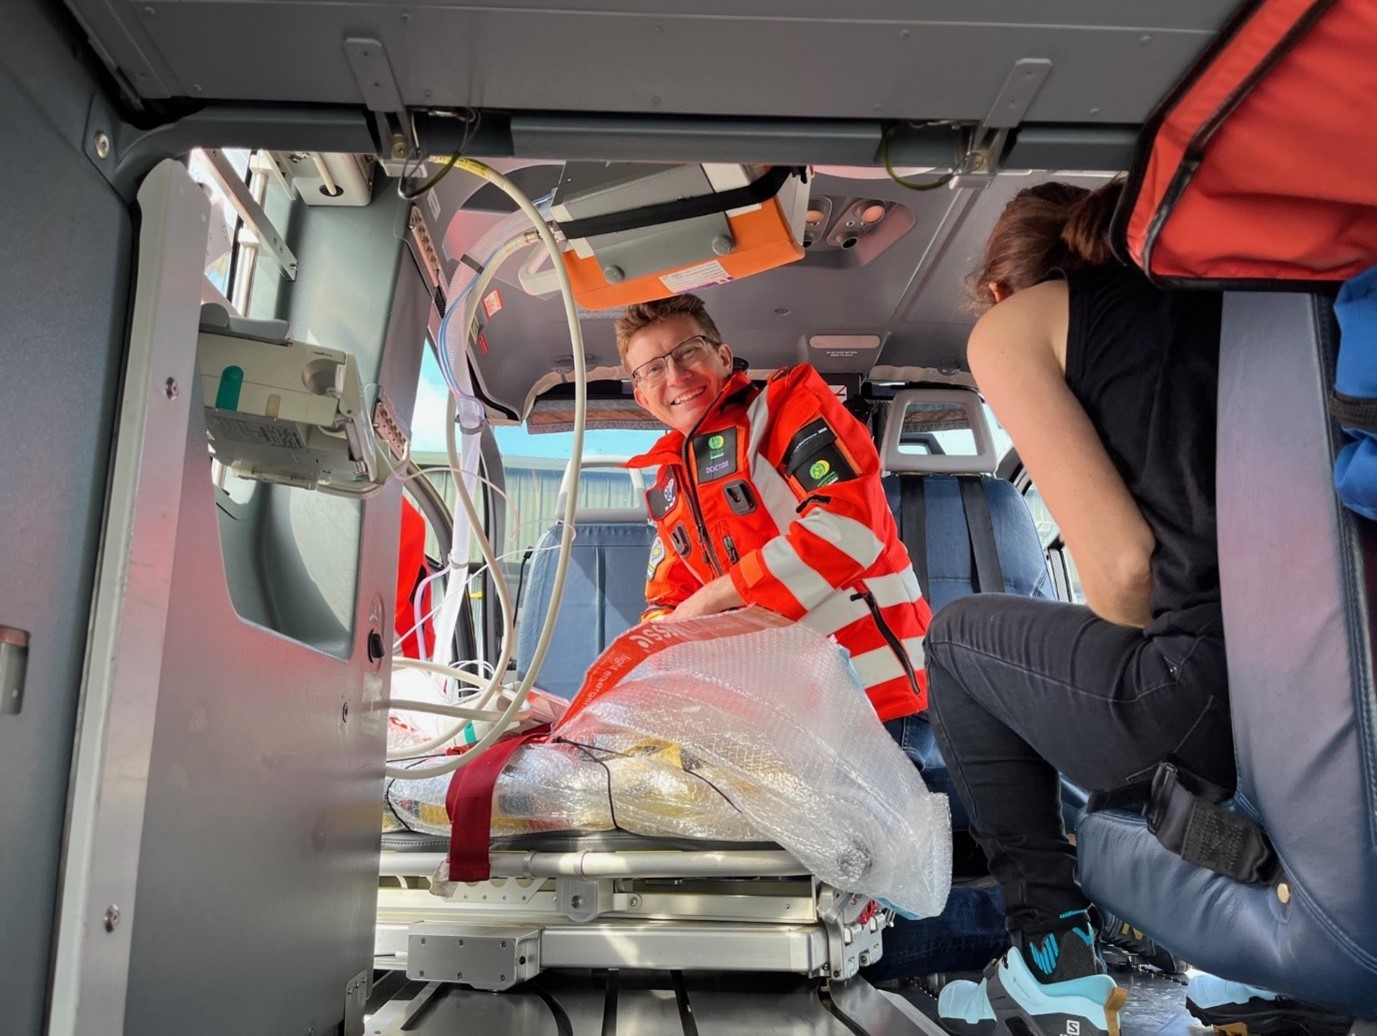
687	388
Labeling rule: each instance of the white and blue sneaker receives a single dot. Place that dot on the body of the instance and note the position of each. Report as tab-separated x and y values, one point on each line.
1043	986
1243	1010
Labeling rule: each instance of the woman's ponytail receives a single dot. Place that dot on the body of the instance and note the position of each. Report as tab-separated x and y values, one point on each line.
1044	229
1086	234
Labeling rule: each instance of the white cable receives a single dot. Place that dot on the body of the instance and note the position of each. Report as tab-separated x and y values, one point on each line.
566	536
402	662
435	708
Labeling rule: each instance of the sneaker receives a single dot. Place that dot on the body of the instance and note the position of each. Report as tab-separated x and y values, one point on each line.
1049	985
1124	946
1242	1010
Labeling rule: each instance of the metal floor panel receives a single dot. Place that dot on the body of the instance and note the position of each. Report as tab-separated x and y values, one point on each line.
649	1004
601	1003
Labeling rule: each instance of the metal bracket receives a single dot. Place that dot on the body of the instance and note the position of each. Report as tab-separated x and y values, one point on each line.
355	1003
373	72
251	212
586	899
1010	105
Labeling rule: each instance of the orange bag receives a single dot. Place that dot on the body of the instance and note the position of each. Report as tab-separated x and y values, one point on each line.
1259	168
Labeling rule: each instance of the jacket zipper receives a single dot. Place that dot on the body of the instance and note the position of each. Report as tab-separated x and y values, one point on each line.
698	521
894	643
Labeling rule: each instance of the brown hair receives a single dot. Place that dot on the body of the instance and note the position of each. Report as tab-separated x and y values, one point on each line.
646	314
1053	226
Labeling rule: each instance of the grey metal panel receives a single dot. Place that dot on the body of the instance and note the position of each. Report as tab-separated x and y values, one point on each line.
120	689
1111	63
291	557
63	302
257	883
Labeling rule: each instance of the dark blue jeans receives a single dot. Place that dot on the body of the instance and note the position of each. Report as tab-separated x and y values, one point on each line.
1021	689
970	930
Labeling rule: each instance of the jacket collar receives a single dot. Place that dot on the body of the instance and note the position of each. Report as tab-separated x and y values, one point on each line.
669	447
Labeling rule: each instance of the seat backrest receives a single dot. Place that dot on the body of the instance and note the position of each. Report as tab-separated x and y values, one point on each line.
935	439
1298	575
604	589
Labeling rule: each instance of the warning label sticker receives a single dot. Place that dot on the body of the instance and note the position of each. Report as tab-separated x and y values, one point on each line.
492	304
691	278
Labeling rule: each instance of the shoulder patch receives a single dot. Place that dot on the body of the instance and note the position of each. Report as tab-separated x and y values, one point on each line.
657	554
814	458
661	498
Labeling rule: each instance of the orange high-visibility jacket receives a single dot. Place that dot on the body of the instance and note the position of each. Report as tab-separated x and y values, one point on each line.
780	487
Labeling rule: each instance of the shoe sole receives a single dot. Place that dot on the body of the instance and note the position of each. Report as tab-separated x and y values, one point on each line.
1271	1018
1012	1020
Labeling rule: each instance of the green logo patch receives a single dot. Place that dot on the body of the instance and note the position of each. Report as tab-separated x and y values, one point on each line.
717	442
819	470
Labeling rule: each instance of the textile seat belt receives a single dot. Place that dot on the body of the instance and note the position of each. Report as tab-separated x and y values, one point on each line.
469	805
989	579
1183	812
913	512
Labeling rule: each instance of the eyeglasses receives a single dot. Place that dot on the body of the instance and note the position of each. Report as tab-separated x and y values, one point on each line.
685	354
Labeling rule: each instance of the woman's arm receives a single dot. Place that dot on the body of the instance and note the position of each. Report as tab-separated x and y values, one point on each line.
1017	353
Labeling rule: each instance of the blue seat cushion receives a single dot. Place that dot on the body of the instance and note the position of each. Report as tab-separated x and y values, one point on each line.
604	596
950	567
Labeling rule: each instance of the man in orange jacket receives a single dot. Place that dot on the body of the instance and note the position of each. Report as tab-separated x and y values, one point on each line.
770	496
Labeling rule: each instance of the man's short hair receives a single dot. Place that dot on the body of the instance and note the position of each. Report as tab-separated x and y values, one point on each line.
647	314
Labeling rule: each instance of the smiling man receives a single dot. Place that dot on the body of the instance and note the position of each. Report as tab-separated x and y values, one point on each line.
770	496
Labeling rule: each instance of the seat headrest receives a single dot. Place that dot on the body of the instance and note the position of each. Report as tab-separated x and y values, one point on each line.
938	430
585	514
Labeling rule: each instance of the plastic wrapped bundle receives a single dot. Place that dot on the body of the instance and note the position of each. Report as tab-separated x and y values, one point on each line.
642	788
772	718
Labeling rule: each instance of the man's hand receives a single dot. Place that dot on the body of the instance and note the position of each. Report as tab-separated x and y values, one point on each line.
709	599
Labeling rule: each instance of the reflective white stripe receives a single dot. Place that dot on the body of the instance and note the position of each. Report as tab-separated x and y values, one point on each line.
836	612
882	664
775	494
798	577
896	588
856	541
757	418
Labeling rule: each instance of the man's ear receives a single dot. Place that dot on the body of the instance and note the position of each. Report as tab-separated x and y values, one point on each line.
639	396
724	353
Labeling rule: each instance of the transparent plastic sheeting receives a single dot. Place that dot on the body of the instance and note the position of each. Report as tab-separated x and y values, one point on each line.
741	730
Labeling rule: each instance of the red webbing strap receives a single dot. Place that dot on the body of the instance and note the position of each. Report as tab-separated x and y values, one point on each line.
469	805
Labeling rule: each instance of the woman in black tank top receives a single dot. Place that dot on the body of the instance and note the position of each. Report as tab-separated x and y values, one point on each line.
1107	387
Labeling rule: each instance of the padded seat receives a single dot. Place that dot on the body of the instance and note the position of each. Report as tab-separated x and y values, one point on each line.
1297	574
924	489
939	538
604	590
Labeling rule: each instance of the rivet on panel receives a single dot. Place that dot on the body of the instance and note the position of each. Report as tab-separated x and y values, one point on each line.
101	142
1284	892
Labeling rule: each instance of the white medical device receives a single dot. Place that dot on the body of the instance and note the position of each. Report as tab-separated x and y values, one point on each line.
284	411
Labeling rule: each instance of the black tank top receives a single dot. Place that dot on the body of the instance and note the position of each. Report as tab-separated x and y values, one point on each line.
1144	363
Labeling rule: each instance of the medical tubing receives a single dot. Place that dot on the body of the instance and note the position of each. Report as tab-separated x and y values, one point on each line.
484	249
454	672
477	289
504	600
576	457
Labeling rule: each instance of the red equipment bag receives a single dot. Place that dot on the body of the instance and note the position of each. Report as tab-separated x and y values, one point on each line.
1259	168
